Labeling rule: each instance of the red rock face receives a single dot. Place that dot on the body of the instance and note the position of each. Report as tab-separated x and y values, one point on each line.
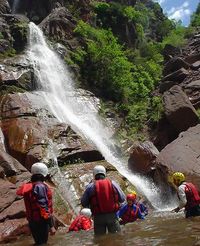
10	229
29	129
28	135
183	154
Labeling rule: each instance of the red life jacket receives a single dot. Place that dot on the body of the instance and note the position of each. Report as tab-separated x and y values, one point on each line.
105	198
130	215
81	223
192	195
34	212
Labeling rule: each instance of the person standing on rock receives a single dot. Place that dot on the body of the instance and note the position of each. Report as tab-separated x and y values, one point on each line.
38	202
188	196
103	196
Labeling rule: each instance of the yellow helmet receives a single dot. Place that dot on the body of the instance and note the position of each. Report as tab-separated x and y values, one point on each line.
133	192
178	177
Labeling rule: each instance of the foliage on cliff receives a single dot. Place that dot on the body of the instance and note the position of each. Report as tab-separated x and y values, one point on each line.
120	53
120	58
195	20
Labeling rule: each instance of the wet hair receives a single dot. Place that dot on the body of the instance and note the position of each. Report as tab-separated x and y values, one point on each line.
37	177
99	176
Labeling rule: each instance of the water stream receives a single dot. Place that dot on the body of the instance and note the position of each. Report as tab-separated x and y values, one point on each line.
15	6
57	86
158	229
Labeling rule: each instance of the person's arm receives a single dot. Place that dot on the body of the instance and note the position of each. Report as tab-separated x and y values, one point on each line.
121	211
140	215
182	198
121	194
85	199
143	209
40	191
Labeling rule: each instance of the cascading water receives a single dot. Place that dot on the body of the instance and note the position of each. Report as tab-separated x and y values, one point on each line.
55	81
15	6
2	140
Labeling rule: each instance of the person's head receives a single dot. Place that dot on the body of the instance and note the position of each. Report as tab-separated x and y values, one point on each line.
99	172
86	212
39	171
130	198
178	178
133	192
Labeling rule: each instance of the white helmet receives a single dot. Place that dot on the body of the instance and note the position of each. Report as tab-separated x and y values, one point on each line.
99	169
39	168
86	212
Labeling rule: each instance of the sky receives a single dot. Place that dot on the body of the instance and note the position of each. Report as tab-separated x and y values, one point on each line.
179	9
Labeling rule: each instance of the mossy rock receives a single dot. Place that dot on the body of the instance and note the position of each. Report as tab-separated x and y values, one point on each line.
10	89
19	33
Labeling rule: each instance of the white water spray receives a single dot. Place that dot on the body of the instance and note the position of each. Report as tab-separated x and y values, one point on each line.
55	81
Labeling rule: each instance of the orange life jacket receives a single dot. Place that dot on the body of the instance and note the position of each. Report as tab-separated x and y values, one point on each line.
34	212
81	223
192	195
105	198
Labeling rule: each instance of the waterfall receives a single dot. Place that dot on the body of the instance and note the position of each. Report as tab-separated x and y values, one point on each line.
2	140
15	6
54	79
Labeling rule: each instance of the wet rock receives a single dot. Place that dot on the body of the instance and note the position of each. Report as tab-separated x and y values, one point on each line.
179	110
16	76
10	165
142	157
15	211
31	130
6	38
11	229
7	194
80	175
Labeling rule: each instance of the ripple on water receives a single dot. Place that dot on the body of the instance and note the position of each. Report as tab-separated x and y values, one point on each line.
156	230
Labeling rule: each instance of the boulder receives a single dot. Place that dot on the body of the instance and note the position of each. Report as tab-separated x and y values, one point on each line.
170	51
4	7
175	64
60	24
192	58
11	229
143	161
15	211
6	38
179	110
166	85
183	154
177	76
7	194
142	157
194	85
10	165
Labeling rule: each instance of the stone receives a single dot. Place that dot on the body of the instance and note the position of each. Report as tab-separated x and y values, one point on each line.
179	110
